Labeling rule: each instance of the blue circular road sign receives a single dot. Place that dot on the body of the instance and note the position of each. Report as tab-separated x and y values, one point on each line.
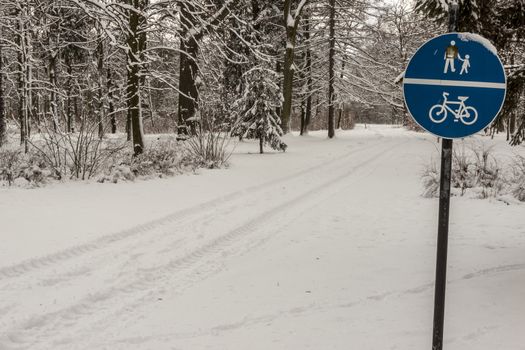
455	85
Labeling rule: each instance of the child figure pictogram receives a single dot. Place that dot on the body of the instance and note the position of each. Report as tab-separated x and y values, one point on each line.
466	64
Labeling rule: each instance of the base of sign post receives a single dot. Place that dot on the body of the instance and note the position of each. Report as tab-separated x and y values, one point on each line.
442	244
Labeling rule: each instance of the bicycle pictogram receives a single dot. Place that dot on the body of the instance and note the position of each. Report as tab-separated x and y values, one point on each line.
467	114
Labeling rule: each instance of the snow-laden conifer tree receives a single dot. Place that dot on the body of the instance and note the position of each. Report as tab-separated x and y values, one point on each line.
256	109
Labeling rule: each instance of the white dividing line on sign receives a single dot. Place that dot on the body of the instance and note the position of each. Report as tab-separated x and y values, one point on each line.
438	82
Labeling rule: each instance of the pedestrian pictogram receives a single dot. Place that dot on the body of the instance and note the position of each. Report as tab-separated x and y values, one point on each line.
455	85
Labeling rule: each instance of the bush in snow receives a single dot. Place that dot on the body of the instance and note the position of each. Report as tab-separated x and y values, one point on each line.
256	109
163	158
430	178
463	170
475	169
17	168
487	171
10	163
209	146
518	179
80	155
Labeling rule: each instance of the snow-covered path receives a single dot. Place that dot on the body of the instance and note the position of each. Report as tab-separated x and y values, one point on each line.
337	253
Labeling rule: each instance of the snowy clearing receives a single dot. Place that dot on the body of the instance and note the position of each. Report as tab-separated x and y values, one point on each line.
327	246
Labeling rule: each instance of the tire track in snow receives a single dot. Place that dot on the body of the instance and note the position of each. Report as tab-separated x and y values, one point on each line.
54	322
87	269
146	237
82	249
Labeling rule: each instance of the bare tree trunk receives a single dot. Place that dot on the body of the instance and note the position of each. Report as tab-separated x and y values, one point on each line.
22	78
128	126
341	105
278	70
111	103
53	94
3	135
261	144
189	69
308	112
136	22
287	86
331	72
69	87
100	68
291	24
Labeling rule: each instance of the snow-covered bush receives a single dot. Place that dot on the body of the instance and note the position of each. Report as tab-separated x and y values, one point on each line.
487	171
117	173
475	169
10	163
209	145
518	178
161	158
256	109
17	168
430	178
518	190
80	155
463	170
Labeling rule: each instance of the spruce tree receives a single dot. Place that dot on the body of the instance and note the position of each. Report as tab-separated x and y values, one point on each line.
256	109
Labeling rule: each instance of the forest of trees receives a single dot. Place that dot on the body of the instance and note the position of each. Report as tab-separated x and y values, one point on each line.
252	68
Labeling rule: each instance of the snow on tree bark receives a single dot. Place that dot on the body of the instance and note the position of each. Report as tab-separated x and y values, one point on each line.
136	44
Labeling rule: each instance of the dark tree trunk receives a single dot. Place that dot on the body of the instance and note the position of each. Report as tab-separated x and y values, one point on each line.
100	88
111	103
69	109
261	144
136	23
303	117
76	115
53	86
128	126
278	70
309	83
331	72
288	71
341	105
22	79
189	69
287	87
3	135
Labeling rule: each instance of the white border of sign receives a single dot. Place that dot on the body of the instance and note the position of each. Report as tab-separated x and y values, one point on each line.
410	61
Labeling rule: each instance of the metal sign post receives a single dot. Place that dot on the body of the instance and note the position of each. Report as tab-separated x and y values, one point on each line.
443	221
454	86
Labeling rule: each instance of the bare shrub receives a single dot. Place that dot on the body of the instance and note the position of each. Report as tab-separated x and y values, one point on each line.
10	161
209	145
463	173
430	177
79	155
474	168
162	158
487	170
518	178
30	168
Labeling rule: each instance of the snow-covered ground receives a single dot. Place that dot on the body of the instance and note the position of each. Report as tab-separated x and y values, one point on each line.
328	246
